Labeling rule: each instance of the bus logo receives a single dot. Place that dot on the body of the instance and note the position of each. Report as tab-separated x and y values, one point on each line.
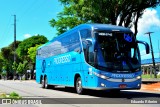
122	75
62	59
127	38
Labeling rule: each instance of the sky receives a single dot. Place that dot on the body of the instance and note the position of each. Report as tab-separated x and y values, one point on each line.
32	18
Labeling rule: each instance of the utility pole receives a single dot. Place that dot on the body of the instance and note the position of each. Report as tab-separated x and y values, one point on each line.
154	68
14	38
159	49
14	73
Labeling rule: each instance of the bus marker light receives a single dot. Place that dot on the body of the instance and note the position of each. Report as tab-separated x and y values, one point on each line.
122	86
102	85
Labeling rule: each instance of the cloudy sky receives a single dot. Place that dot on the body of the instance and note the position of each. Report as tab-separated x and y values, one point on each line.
150	22
33	18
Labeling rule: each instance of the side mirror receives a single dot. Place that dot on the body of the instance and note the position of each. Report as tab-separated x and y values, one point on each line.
146	46
89	42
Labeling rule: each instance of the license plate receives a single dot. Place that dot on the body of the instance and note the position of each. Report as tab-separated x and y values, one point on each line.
122	86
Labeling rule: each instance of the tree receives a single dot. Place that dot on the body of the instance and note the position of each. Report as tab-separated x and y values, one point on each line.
3	75
117	12
7	54
14	66
1	62
22	68
32	53
23	47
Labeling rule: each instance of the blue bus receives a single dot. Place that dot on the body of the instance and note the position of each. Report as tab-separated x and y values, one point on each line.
91	56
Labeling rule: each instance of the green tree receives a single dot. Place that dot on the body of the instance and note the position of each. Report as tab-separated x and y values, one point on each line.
117	12
4	75
32	53
14	66
23	47
7	54
22	68
1	62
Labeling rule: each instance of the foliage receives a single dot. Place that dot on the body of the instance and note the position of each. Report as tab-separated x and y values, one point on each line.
14	66
23	47
1	62
32	53
4	74
6	56
2	95
22	58
21	68
117	12
14	95
148	76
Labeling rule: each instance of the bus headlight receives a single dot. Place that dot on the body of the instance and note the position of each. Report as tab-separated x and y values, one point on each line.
101	76
138	77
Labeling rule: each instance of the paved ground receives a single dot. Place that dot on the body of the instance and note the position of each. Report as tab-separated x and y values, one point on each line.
154	87
68	98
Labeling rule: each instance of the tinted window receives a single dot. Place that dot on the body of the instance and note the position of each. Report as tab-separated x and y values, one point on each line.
65	44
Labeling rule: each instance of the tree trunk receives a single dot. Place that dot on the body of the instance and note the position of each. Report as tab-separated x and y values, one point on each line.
32	71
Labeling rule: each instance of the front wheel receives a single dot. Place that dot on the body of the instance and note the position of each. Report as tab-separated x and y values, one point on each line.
79	87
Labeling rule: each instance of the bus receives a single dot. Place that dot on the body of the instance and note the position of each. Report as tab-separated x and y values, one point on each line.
91	56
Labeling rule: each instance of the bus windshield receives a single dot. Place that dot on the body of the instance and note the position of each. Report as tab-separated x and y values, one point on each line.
117	52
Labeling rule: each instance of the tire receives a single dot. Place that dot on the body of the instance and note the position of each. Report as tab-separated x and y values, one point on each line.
42	83
46	86
78	86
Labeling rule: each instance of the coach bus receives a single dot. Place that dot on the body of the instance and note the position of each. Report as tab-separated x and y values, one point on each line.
91	56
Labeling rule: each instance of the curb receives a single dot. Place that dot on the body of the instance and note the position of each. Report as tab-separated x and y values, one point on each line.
150	80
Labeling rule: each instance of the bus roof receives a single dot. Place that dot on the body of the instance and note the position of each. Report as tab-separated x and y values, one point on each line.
107	27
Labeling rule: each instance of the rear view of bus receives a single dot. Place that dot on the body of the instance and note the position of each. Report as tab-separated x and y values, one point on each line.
108	58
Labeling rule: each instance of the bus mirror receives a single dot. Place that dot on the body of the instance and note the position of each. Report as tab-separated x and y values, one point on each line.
146	46
89	42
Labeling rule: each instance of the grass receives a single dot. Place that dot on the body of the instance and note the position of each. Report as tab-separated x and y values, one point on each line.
12	95
149	76
3	95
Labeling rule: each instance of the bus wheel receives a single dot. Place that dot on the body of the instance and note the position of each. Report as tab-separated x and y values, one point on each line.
42	83
79	87
46	86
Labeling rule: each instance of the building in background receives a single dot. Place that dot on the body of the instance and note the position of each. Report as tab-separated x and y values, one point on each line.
147	66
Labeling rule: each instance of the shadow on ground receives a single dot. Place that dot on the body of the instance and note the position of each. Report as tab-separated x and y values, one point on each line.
112	94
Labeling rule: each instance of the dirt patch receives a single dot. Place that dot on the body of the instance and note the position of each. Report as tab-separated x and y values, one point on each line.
151	87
